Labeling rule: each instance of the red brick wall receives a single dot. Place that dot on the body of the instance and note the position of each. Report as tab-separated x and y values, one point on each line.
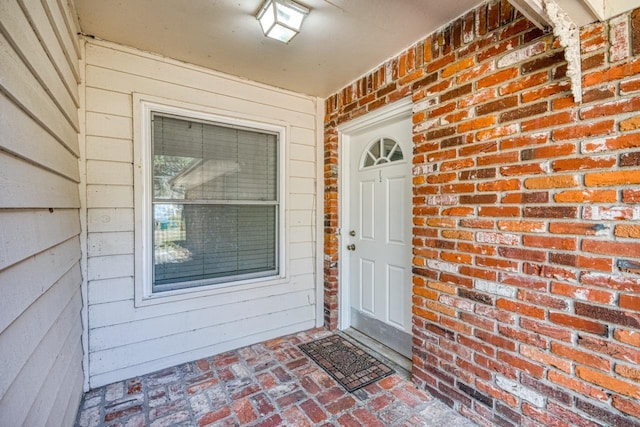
527	217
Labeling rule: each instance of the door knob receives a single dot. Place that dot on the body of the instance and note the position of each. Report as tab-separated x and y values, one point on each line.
351	247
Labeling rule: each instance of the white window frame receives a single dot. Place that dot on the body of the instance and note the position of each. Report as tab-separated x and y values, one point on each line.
144	106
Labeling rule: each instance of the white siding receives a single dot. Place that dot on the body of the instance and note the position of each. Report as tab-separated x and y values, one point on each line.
40	277
127	340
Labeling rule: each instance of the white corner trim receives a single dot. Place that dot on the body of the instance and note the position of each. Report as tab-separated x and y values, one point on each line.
319	224
82	165
533	11
569	35
607	9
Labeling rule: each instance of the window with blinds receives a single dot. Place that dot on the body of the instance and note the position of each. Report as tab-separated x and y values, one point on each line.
215	203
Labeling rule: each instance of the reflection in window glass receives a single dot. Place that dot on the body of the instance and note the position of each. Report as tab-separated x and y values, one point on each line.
374	150
389	145
196	242
382	151
215	203
369	160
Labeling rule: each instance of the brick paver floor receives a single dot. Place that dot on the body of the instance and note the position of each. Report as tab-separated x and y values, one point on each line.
268	384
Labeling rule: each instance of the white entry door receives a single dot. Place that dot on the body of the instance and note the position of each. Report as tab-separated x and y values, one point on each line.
378	238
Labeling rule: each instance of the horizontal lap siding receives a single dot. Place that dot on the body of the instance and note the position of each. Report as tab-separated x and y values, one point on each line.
40	280
124	340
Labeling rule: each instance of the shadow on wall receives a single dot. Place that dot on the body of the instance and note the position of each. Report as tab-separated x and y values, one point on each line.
526	212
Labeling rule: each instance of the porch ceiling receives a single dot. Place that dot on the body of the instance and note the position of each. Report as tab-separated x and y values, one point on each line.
340	39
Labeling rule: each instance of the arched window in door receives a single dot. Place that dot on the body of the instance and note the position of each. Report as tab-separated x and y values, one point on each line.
381	151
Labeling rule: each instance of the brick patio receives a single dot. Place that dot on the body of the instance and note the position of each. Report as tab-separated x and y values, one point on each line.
267	384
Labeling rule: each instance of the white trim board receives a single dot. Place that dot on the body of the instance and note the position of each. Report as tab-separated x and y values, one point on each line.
143	105
399	109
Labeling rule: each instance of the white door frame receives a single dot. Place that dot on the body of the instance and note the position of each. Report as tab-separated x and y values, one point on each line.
398	110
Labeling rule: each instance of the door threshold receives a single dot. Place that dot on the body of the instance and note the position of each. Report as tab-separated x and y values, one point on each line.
395	360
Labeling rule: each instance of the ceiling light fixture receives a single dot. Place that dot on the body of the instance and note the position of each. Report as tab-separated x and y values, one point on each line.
281	19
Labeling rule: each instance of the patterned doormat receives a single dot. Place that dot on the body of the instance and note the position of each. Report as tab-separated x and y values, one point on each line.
348	364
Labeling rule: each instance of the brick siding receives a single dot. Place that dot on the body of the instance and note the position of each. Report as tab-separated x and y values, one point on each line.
526	237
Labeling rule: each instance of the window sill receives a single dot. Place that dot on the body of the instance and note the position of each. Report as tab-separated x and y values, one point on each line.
166	297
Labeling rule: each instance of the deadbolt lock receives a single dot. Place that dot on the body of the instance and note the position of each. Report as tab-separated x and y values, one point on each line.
352	233
351	247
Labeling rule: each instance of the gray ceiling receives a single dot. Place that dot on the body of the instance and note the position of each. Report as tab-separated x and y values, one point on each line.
340	40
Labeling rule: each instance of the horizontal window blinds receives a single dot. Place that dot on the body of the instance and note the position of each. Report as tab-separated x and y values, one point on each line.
215	203
201	161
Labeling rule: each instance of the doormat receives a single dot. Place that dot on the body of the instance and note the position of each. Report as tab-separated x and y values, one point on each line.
348	364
